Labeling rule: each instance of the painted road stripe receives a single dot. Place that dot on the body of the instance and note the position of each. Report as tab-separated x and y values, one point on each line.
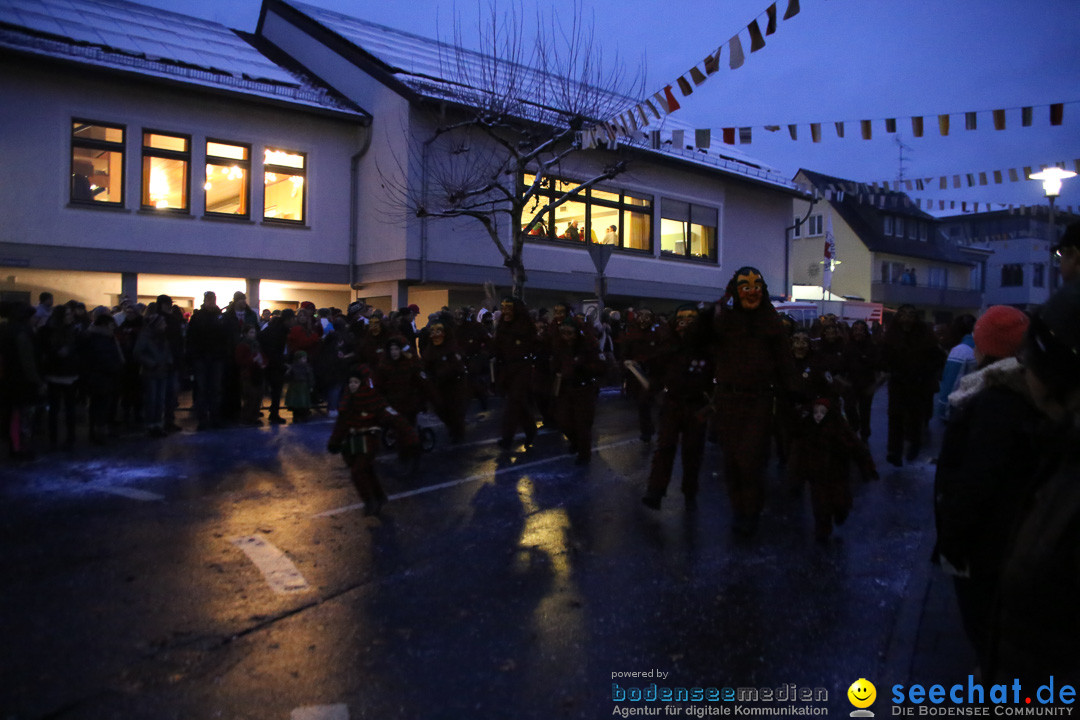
473	478
131	493
321	712
279	571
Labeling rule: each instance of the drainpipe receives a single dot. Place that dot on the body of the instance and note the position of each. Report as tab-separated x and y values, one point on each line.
354	206
787	244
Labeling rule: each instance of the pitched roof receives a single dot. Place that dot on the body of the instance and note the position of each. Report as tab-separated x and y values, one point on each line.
430	68
865	219
122	35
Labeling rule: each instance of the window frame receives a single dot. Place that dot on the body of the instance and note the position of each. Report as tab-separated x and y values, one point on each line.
104	145
286	170
245	164
673	213
1012	275
146	152
551	189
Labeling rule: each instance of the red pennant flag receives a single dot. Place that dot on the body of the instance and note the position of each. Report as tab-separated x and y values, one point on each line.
1057	113
770	27
729	136
673	104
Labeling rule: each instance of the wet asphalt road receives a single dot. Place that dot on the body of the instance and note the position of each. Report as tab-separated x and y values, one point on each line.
496	585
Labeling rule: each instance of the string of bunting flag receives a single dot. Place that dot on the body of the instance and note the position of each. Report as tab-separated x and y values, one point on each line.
864	195
664	102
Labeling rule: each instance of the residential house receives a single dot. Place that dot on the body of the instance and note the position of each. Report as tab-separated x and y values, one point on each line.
1021	271
889	251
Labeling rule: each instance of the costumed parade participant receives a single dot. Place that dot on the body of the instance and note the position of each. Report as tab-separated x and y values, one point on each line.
684	372
578	366
356	435
514	349
445	369
753	367
640	345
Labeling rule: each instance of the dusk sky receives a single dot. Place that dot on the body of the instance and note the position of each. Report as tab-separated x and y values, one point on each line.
836	60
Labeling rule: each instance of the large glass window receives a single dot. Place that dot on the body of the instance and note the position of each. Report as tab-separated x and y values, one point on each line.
598	215
688	230
228	171
166	162
97	163
284	186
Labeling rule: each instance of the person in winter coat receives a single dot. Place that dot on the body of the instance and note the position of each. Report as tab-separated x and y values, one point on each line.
22	387
252	366
985	468
863	361
910	355
58	341
753	368
356	435
207	348
301	382
155	360
102	369
1035	625
823	451
683	371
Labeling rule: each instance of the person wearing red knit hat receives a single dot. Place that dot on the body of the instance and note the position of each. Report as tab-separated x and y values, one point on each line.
985	470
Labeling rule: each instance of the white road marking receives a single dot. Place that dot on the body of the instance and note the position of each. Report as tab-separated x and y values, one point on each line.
279	571
131	493
473	478
321	712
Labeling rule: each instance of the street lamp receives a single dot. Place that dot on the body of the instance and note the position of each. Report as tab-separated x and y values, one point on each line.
1051	179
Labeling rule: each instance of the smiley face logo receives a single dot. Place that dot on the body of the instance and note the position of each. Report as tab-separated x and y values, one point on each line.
862	693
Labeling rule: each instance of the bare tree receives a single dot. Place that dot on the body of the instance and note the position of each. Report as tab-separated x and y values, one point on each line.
511	110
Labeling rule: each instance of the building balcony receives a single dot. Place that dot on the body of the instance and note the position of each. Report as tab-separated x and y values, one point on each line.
895	294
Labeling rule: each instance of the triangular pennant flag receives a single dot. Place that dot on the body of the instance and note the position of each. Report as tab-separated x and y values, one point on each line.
890	125
673	104
839	129
792	9
999	119
652	108
737	58
970	121
697	76
907	184
756	40
815	132
997	177
1013	177
1027	173
677	139
712	62
943	124
917	126
729	136
793	130
866	131
745	136
770	26
703	138
970	179
644	119
920	185
684	86
633	121
982	178
956	181
772	128
1026	115
1057	113
944	184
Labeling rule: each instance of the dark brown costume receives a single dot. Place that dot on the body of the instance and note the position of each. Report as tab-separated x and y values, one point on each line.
514	348
753	367
578	368
910	355
641	345
401	382
445	370
684	373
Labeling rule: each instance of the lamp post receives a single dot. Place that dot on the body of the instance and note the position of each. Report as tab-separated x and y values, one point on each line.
1051	179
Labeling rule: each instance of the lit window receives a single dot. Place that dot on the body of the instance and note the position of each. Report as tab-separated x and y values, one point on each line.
284	186
228	168
596	215
166	160
97	163
687	230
